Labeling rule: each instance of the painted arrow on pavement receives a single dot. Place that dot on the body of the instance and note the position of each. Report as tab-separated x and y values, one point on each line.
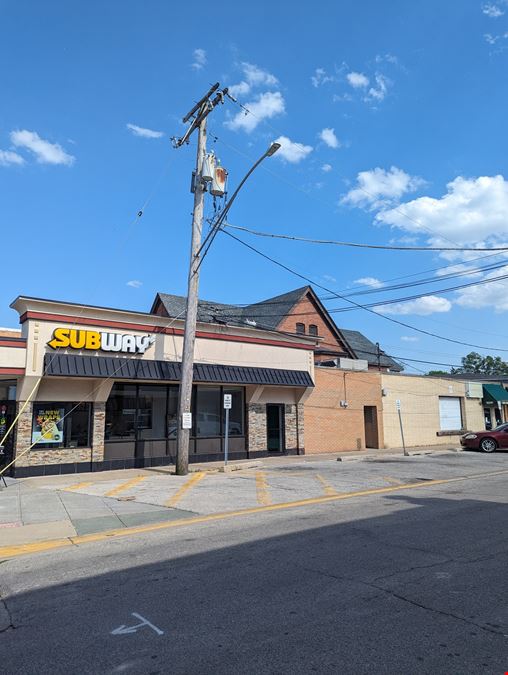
128	630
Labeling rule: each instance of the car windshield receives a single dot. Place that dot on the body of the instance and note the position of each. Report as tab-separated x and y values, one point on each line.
501	427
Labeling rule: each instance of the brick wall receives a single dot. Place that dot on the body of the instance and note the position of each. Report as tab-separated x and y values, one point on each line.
330	428
309	313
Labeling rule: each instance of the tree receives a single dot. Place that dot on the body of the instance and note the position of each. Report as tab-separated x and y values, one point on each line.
438	372
484	365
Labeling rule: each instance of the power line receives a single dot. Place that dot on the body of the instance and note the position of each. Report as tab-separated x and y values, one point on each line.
383	247
356	304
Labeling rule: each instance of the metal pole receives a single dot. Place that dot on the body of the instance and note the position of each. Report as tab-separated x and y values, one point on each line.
226	439
402	435
185	393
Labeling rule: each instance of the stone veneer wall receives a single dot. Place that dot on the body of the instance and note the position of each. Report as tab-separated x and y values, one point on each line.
294	440
98	428
256	421
59	455
256	414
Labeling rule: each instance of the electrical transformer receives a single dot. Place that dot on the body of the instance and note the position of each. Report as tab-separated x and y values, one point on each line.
218	187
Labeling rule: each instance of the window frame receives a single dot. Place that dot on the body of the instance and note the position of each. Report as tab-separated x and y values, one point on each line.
313	330
68	408
300	328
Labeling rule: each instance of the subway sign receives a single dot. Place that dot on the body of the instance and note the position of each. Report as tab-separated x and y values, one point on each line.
74	338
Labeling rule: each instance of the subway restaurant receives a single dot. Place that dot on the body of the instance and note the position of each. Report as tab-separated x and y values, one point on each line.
96	389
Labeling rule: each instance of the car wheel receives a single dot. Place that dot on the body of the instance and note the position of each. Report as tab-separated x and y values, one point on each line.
488	445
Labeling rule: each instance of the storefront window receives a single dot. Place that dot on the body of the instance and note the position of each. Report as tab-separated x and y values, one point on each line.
172	412
121	413
208	412
152	401
7	390
61	425
236	412
150	412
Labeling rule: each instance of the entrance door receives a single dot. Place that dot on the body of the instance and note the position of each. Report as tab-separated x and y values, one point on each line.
275	427
370	419
7	412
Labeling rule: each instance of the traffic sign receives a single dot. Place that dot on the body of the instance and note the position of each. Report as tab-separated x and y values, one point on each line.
228	401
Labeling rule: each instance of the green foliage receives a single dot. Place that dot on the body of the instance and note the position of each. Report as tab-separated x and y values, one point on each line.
484	365
438	372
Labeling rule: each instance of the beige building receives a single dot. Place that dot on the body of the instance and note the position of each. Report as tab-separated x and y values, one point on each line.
102	388
433	410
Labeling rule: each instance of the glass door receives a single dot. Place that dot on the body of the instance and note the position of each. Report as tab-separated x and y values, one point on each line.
275	427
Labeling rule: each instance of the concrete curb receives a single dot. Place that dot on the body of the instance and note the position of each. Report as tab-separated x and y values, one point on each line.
410	453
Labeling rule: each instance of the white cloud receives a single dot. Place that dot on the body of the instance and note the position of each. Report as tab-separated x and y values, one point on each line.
265	106
389	58
44	151
357	80
379	188
240	89
258	77
134	283
291	151
372	282
493	294
7	158
199	56
253	76
472	210
143	132
329	278
429	304
328	136
321	77
379	92
492	39
326	168
409	338
491	10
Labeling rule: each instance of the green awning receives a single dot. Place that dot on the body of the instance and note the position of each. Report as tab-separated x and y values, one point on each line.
494	393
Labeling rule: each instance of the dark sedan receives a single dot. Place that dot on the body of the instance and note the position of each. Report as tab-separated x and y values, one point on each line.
488	441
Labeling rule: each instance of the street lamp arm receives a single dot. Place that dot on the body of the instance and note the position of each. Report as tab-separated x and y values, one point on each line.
222	216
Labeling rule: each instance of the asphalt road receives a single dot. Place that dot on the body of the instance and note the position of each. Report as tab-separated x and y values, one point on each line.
408	582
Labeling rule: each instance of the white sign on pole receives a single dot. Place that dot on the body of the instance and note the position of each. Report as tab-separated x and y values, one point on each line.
397	404
228	401
186	420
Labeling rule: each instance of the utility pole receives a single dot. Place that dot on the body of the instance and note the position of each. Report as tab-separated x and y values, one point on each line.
200	111
378	354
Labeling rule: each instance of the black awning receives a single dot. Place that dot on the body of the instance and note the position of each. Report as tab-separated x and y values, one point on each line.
70	365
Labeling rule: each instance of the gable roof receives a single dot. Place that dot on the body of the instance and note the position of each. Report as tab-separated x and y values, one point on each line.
268	315
363	348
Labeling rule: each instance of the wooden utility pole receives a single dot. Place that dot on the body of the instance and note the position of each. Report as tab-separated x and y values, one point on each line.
198	114
189	338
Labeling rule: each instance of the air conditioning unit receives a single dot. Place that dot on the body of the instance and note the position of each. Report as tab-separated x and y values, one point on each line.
354	364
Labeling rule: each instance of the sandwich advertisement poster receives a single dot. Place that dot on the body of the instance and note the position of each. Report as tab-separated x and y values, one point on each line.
48	425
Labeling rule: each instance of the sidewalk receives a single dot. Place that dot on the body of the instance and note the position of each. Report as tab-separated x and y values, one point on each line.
56	507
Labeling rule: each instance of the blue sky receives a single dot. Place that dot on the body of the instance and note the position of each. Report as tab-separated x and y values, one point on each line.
393	122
